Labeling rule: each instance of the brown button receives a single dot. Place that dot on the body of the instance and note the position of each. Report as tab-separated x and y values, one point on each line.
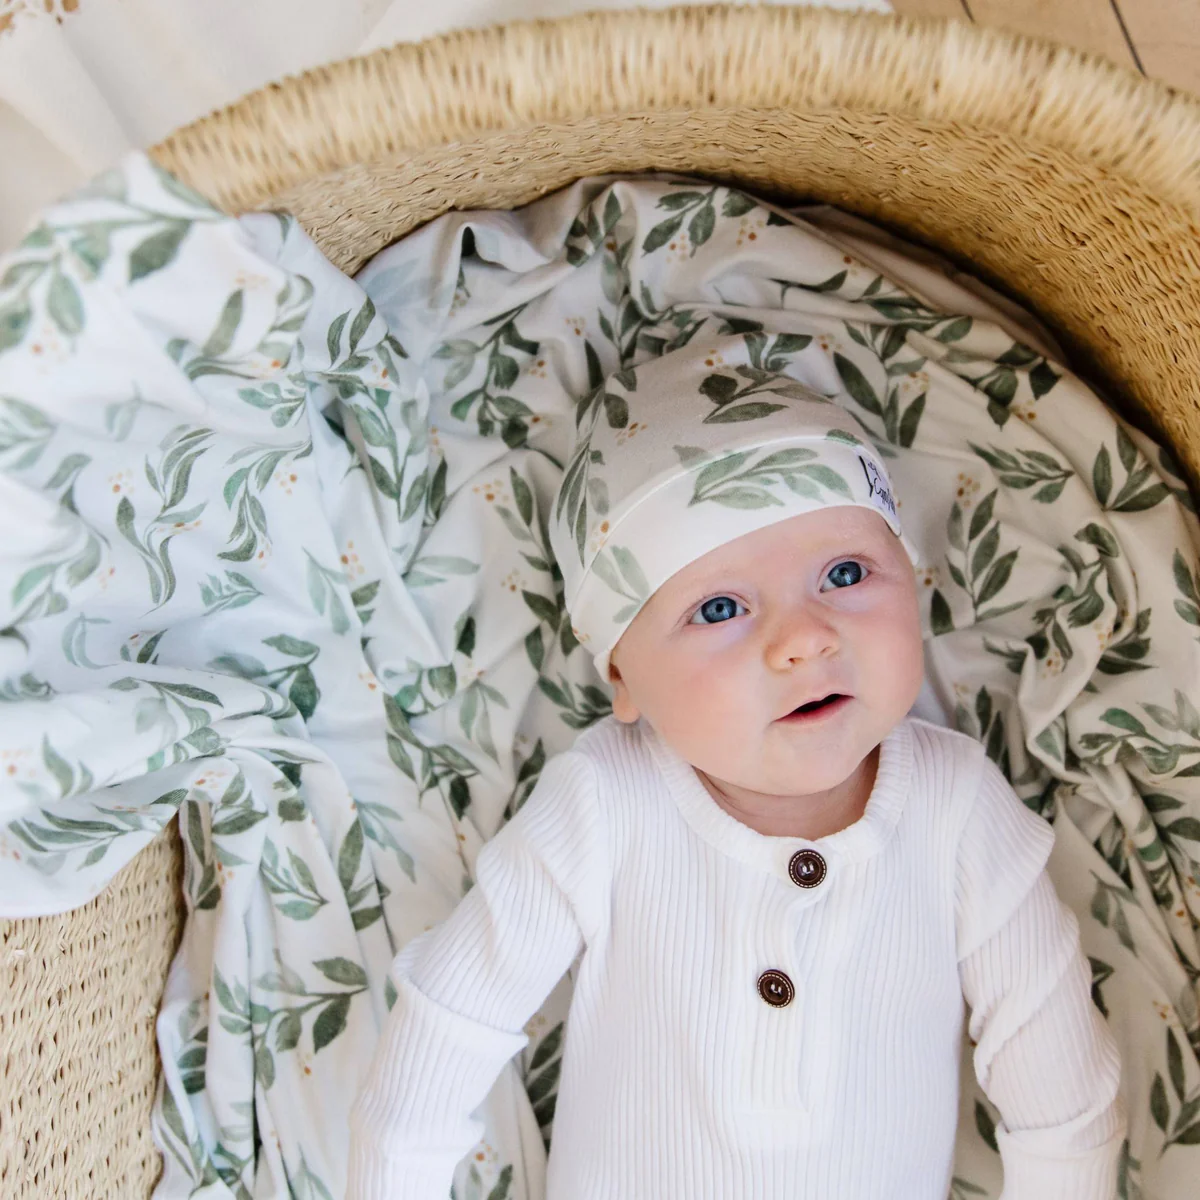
807	868
776	989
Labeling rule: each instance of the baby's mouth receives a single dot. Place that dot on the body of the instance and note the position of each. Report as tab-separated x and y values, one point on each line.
827	704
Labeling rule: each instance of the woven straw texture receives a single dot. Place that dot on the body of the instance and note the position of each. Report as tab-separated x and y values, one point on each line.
78	997
1071	184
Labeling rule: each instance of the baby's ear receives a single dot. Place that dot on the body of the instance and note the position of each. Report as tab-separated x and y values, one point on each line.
623	706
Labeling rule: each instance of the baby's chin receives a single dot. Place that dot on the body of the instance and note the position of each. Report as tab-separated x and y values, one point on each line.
783	776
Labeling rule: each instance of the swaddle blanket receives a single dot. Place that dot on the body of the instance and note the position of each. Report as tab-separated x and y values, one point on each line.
274	565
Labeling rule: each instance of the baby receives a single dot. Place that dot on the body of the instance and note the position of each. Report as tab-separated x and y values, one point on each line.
780	887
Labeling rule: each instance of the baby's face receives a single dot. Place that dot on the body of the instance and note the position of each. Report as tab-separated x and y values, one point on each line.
729	647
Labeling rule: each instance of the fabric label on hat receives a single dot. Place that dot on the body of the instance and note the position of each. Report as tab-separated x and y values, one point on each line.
880	496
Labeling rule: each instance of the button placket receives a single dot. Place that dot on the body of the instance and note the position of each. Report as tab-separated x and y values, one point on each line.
772	1056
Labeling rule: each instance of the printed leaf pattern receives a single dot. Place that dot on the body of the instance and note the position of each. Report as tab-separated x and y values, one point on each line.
741	481
282	576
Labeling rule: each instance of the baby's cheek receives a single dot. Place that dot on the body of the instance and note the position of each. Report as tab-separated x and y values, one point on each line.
899	659
700	704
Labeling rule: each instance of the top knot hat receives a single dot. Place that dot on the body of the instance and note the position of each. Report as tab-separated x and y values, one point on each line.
672	460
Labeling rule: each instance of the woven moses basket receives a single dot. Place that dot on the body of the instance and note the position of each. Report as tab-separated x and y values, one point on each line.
1069	183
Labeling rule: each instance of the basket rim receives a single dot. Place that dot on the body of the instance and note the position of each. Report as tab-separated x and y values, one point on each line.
409	98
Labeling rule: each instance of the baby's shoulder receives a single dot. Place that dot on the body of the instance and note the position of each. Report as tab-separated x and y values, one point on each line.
948	768
943	743
607	768
613	747
627	785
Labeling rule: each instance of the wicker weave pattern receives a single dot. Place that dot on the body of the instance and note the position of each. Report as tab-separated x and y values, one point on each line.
456	87
77	1055
1073	184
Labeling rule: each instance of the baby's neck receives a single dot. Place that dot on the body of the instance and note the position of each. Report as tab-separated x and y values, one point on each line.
809	817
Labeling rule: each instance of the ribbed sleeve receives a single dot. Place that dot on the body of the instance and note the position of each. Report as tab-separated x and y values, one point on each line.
1001	852
1044	1056
466	989
412	1124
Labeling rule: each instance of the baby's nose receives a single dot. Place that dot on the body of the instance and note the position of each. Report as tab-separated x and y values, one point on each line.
800	637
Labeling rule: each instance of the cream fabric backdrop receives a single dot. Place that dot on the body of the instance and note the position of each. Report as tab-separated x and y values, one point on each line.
84	81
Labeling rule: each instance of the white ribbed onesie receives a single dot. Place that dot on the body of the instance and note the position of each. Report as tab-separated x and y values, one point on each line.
679	1079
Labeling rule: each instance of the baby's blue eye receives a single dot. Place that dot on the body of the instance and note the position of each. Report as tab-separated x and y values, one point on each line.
716	610
846	574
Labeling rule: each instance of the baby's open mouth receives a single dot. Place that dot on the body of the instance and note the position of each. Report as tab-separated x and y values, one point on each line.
830	703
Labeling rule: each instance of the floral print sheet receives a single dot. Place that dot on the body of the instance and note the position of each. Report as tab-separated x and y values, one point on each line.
274	566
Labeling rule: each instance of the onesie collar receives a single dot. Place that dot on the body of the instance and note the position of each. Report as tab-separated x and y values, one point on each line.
867	836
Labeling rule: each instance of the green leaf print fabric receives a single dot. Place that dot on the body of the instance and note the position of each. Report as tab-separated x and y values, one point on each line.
274	566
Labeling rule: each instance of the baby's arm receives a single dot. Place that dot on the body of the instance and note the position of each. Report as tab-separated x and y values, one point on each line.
466	988
1044	1057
